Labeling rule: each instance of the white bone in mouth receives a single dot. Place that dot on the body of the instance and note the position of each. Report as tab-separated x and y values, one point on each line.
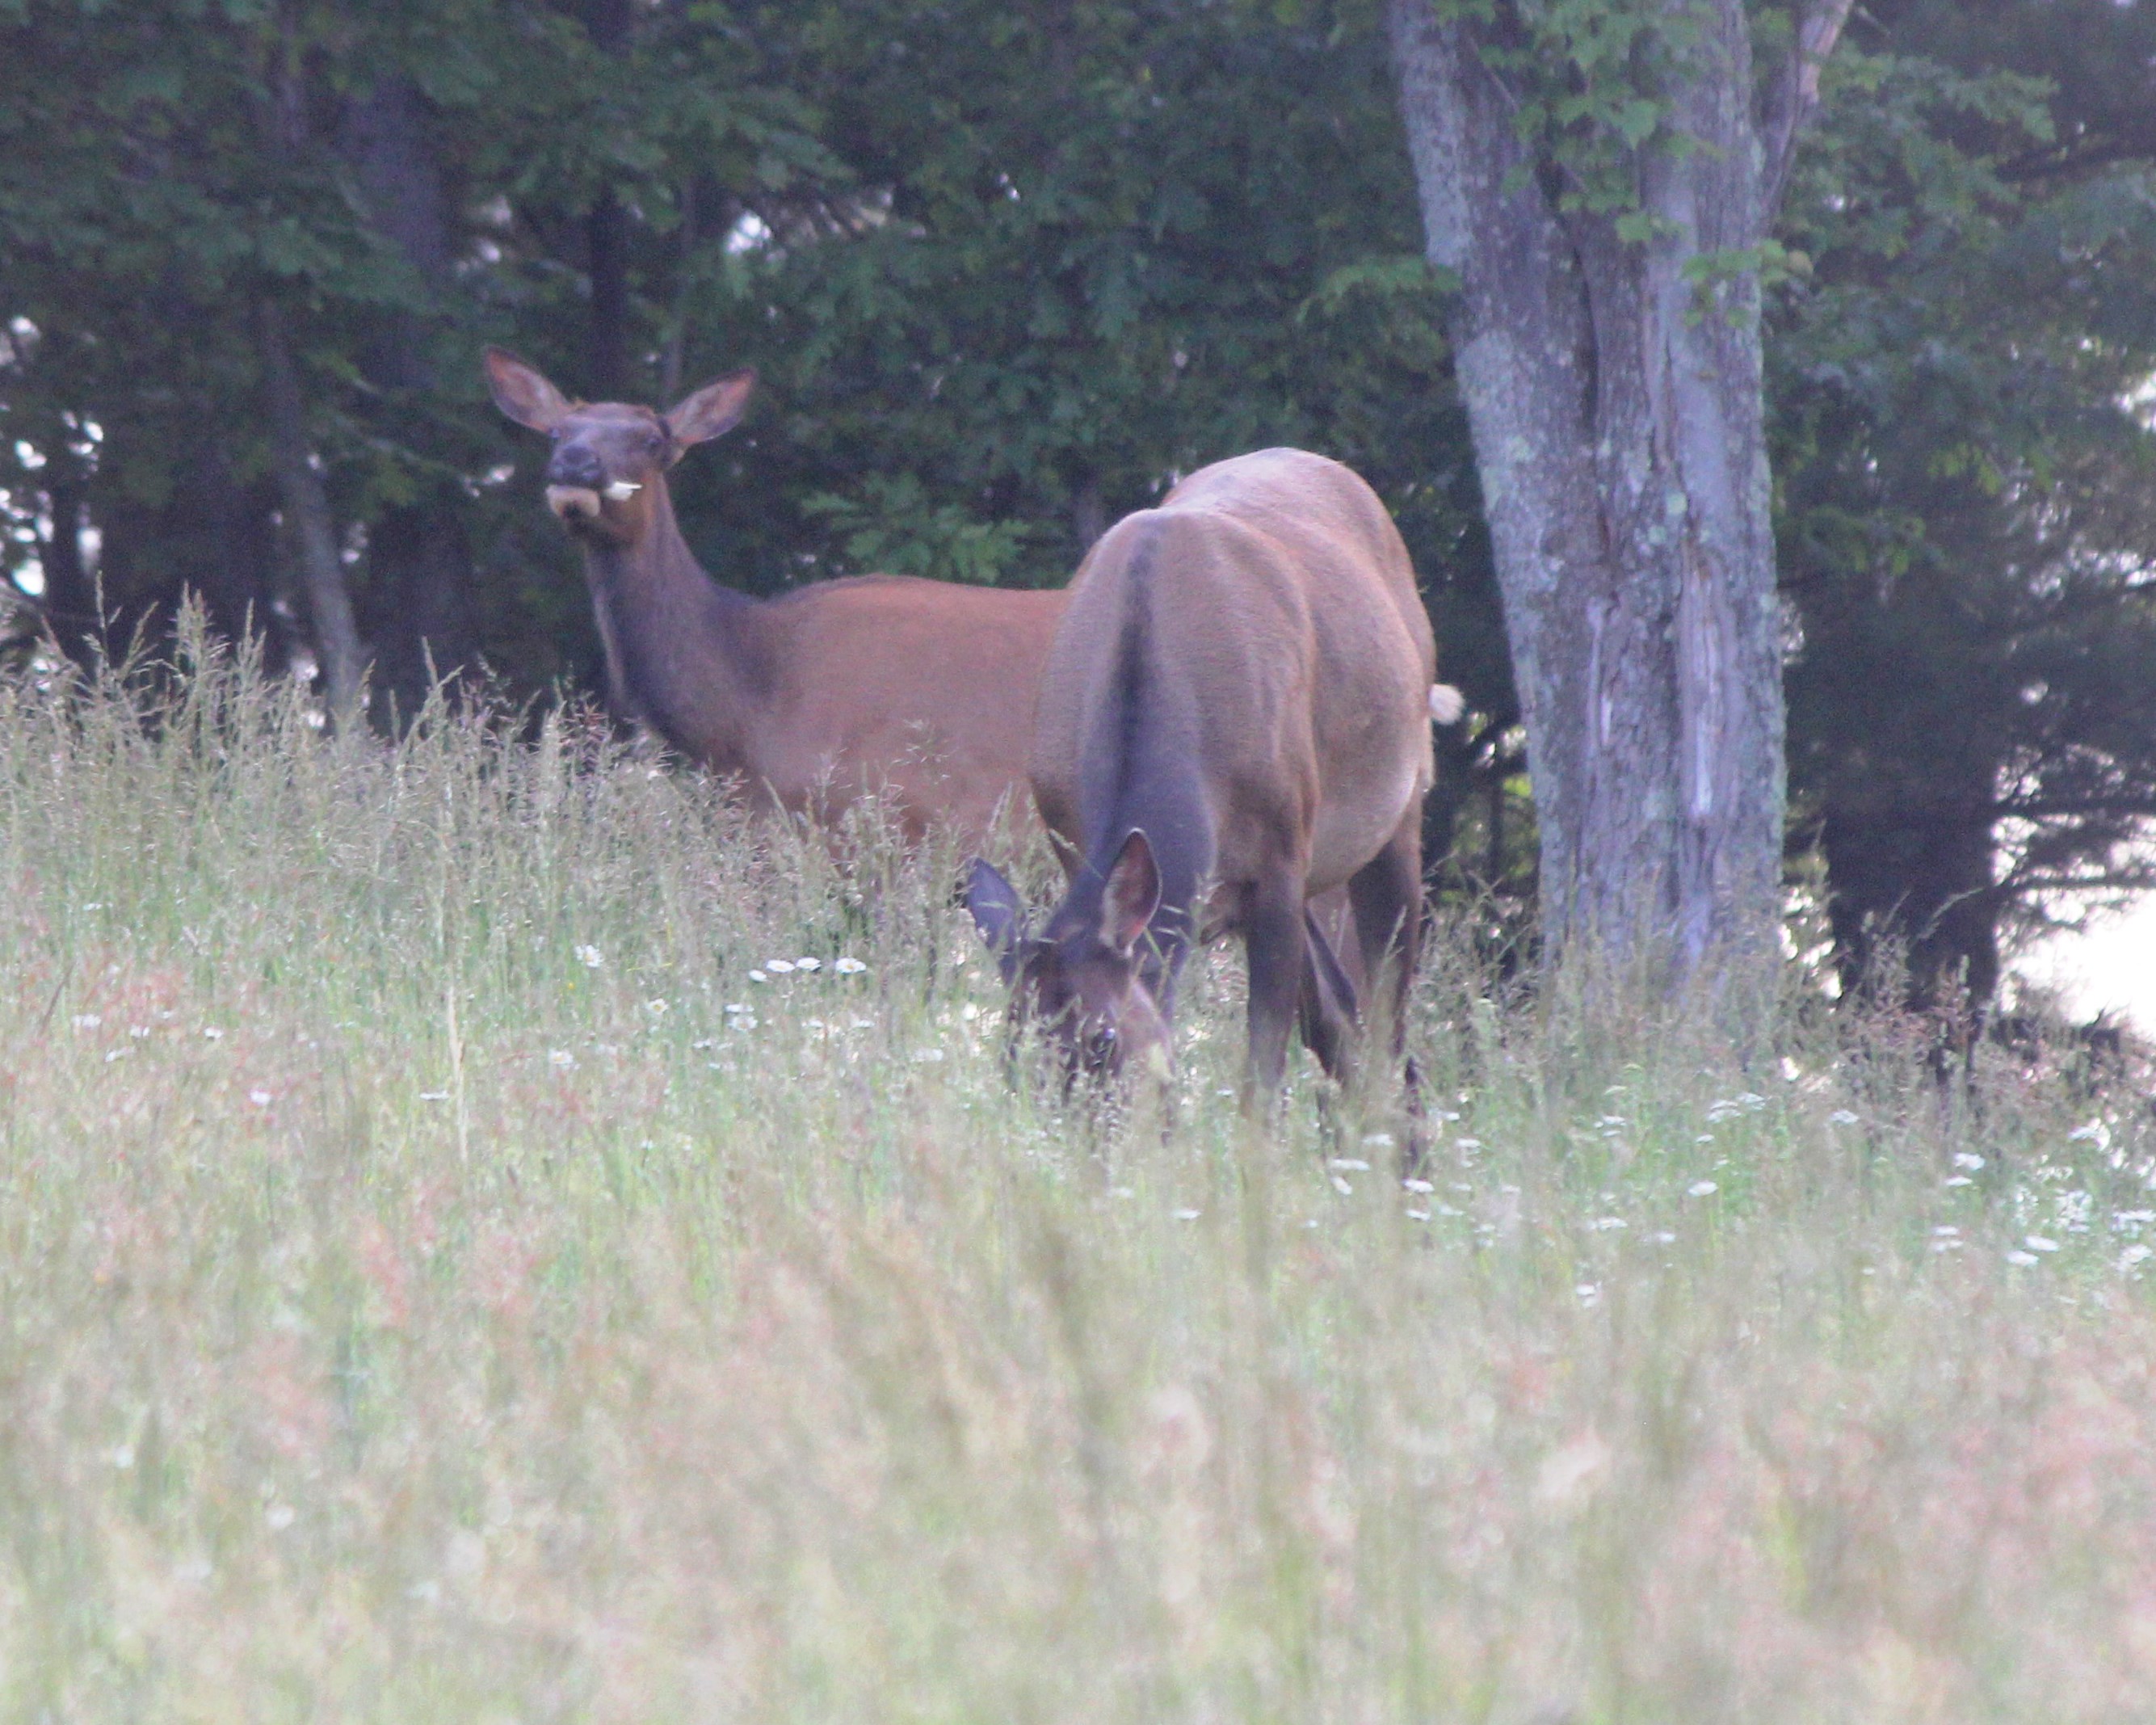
567	501
1446	703
621	490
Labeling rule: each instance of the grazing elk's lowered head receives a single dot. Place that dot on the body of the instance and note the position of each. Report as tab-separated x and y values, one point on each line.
606	471
1088	979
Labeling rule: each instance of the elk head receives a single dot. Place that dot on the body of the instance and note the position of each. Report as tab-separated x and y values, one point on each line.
608	457
1081	978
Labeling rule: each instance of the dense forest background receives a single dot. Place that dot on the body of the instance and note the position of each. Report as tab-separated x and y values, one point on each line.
1005	270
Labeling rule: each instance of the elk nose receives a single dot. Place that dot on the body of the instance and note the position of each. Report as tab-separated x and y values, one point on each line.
575	464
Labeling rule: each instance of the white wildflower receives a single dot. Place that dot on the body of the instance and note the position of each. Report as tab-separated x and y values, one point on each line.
1417	1186
1377	1141
590	957
560	1058
847	966
1842	1116
2095	1133
757	975
1349	1165
1188	1215
779	966
2022	1260
808	963
1701	1189
2135	1254
1343	1187
1603	1224
87	1020
260	1098
2039	1243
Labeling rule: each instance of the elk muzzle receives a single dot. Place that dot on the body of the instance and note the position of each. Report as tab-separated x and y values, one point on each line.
573	503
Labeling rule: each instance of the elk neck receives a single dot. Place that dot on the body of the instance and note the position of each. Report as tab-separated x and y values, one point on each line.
1141	769
685	654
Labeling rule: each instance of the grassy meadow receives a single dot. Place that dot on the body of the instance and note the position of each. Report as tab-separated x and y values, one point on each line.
447	1270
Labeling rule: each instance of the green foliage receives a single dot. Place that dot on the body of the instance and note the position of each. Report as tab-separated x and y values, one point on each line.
1964	466
1589	83
1004	273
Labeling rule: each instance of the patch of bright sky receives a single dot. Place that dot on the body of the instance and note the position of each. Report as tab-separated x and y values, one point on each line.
2105	966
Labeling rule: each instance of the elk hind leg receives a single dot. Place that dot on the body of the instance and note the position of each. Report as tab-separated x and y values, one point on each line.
1327	1007
1388	899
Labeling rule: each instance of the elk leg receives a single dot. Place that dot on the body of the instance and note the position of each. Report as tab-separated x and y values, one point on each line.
1275	943
1327	1013
1386	895
1326	1009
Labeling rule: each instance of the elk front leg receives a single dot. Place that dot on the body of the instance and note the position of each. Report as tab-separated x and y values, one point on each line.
1275	943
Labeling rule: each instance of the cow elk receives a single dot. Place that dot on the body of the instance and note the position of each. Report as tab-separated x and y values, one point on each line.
920	690
1233	719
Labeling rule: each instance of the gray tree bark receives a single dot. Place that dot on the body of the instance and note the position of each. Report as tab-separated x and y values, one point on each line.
1616	410
307	511
419	562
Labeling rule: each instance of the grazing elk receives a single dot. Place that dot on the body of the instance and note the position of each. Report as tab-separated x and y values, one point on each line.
1234	718
920	689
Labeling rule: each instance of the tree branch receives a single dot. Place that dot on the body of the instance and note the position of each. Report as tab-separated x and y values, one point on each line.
1792	96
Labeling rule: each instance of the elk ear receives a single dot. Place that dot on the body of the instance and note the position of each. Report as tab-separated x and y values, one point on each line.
999	913
1132	893
713	409
523	392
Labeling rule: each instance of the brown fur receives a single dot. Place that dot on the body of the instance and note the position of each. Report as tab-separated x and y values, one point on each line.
921	689
1236	708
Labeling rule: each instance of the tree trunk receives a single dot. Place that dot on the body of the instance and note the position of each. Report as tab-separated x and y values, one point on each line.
68	603
606	236
1615	399
307	510
419	560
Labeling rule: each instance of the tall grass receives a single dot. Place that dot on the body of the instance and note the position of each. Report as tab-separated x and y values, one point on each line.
441	1280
